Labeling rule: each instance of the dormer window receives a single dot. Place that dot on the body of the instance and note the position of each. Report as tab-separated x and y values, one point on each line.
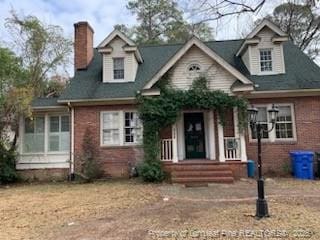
118	68
265	60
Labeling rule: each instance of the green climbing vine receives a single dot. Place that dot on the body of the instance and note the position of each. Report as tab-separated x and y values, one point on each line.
158	112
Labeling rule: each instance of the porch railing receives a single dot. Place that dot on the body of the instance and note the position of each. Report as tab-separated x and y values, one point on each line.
166	149
232	148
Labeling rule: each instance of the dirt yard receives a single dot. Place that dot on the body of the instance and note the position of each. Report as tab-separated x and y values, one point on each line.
132	210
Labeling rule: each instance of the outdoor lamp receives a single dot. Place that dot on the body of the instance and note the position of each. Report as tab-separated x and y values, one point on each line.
252	115
273	114
257	127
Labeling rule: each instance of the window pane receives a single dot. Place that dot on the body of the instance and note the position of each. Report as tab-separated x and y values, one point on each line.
65	124
265	60
28	126
284	127
118	63
54	124
64	141
39	124
133	128
54	143
111	120
265	134
118	68
111	136
118	74
262	114
33	140
33	143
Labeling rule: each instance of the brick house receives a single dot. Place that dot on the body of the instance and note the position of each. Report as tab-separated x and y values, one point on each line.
265	67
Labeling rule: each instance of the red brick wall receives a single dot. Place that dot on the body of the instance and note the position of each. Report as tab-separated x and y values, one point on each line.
114	161
275	156
228	129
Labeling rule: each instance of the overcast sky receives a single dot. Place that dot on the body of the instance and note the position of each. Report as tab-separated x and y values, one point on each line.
104	14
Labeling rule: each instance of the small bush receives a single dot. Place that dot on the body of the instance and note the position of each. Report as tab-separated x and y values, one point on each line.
90	169
8	172
151	171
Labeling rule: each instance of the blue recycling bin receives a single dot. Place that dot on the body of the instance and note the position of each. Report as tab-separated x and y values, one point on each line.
250	168
302	164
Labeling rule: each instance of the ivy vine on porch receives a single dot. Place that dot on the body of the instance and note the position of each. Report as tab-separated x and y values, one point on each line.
158	112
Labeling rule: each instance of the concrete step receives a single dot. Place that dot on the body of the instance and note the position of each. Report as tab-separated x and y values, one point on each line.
202	173
189	180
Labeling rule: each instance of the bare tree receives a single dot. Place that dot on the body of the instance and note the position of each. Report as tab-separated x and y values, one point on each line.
211	10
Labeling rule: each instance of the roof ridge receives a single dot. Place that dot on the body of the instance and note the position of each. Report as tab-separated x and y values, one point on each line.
181	43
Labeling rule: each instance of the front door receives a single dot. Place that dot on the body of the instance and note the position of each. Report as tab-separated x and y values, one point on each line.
194	135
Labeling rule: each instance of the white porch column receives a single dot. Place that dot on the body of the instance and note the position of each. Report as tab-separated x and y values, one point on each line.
212	143
240	135
174	143
221	141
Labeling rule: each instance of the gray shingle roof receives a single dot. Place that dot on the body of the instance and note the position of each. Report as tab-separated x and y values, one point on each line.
301	72
45	102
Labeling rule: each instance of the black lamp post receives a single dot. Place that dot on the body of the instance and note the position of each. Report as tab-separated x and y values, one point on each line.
256	127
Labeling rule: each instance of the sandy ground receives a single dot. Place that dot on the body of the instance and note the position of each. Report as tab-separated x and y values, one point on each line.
132	210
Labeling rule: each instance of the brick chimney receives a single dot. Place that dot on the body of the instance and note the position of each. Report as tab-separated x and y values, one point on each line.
83	45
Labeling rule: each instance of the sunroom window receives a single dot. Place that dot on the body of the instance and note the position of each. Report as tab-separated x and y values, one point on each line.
59	134
34	135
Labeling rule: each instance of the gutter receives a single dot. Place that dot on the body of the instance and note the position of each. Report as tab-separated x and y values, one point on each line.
71	152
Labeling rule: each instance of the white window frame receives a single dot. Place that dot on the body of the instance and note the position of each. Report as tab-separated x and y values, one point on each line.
272	135
46	135
113	69
294	138
124	127
57	133
121	129
102	128
272	60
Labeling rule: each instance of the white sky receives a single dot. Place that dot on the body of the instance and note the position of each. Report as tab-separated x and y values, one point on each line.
104	14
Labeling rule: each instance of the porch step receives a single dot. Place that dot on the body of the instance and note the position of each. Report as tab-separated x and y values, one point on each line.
200	173
206	173
191	180
200	167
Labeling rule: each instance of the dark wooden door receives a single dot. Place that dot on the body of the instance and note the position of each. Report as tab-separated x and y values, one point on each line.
194	135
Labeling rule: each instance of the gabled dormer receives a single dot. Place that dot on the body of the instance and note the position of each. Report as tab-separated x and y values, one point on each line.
120	58
262	50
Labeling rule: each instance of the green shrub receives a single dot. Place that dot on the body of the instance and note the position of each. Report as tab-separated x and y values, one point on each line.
8	172
151	171
90	168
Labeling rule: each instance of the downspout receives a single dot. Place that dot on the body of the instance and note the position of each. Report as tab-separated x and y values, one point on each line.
71	152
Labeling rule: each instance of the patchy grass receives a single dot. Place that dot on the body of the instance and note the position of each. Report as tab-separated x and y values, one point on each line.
31	211
132	210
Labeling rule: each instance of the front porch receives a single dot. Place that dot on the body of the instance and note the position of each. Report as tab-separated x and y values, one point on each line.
203	138
197	149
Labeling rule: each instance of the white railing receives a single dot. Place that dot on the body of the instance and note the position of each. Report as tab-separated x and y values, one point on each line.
232	148
166	149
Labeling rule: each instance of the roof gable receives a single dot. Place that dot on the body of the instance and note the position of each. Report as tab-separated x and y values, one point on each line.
196	42
116	33
266	23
